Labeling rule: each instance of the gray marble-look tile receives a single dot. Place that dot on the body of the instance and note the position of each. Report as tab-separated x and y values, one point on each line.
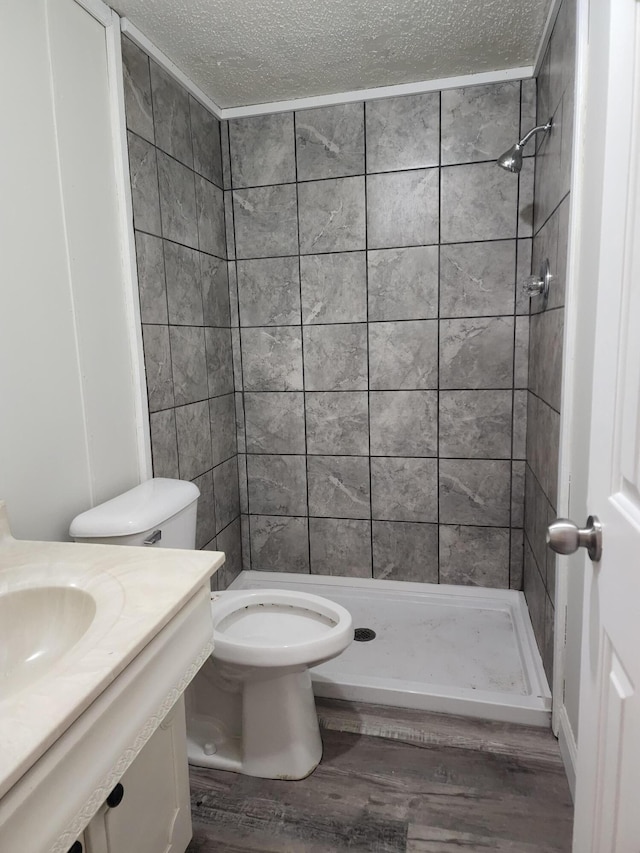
157	362
475	424
545	367
241	435
405	551
210	211
403	283
189	364
330	142
402	209
272	359
475	491
229	225
527	106
205	133
537	511
194	439
236	358
521	354
266	221
151	279
277	485
340	547
403	132
404	423
477	279
548	173
279	544
523	271
519	450
403	355
516	564
137	90
339	486
225	493
171	115
226	155
275	422
545	246
143	171
246	541
219	361
337	422
479	122
548	649
229	540
222	415
479	202
557	292
525	198
206	514
534	592
476	353
334	288
332	215
269	292
404	489
184	293
517	493
233	293
335	357
262	150
177	201
215	291
474	556
543	437
164	444
242	483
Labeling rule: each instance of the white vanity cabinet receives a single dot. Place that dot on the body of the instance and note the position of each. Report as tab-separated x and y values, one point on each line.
153	814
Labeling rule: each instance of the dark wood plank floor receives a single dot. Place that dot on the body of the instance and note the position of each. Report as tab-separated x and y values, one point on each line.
396	781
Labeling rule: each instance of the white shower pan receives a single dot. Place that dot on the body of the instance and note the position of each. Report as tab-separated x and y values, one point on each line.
452	649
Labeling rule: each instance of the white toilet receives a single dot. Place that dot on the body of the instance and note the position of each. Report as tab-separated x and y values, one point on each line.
251	707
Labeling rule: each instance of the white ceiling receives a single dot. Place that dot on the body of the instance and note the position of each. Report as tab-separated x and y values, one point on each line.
241	52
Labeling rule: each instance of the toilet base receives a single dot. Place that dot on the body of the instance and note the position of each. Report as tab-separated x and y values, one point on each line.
266	725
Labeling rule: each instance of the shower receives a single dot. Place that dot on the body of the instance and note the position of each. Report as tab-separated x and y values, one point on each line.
511	160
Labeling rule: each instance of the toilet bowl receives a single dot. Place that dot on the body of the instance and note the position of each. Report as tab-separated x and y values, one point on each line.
251	708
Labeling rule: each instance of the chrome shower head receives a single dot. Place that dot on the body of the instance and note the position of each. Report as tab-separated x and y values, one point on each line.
511	160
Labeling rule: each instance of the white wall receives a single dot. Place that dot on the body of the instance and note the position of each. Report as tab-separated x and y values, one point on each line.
70	410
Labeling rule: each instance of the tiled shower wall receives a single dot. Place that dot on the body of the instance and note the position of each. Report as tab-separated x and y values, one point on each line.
380	344
552	182
178	211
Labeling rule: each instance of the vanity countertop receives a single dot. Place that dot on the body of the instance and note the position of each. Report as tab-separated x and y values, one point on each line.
137	592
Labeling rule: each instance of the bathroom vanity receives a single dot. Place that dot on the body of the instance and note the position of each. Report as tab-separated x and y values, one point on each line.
97	646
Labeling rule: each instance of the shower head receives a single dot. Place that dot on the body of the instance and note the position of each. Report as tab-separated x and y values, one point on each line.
511	160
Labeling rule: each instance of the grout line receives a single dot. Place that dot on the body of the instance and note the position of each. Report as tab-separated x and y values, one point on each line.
366	273
438	334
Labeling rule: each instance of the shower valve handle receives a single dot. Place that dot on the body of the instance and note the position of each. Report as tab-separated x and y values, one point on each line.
565	537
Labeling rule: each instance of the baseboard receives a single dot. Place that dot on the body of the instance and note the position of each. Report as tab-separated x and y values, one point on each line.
568	748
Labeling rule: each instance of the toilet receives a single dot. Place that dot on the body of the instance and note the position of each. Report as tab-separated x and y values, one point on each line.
251	707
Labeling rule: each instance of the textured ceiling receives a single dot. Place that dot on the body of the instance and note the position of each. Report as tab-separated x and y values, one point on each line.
254	51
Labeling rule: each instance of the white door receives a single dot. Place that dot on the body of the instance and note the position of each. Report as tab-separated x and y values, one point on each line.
607	816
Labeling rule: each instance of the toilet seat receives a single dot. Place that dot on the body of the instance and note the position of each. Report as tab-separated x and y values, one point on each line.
277	628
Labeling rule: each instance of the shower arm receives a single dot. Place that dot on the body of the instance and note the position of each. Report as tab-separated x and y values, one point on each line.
541	128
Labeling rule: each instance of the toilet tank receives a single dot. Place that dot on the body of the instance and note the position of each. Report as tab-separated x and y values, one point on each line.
160	512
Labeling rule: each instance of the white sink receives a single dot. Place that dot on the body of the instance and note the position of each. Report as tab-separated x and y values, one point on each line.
38	626
97	643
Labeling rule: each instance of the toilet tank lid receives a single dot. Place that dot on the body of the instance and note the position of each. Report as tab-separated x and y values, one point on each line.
142	508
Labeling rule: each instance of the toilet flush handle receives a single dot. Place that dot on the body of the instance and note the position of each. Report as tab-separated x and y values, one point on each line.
156	536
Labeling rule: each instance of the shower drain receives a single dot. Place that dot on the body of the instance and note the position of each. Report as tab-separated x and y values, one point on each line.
363	635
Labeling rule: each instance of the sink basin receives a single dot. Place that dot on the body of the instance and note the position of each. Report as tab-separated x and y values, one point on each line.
38	626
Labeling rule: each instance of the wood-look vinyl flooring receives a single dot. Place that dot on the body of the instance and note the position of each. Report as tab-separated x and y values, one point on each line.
396	781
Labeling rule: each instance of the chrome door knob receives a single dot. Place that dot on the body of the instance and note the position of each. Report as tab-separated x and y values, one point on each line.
565	537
